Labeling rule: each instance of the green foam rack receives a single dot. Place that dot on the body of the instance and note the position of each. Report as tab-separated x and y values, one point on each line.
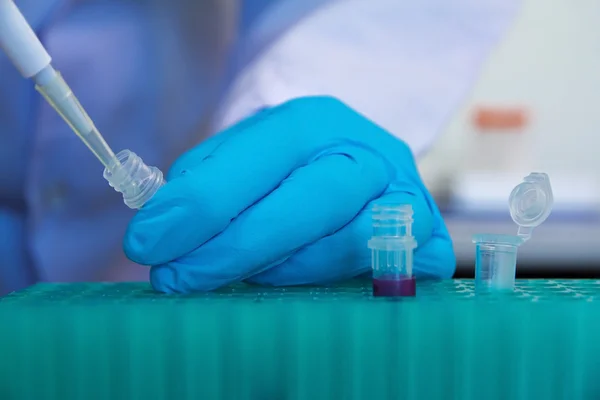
124	341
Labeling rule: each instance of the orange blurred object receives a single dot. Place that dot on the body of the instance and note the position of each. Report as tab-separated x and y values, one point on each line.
499	118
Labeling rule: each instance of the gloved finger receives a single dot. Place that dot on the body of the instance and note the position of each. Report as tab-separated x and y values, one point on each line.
200	202
193	157
315	201
345	254
435	259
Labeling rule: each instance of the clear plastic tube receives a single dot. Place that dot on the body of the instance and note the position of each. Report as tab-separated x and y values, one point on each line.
392	247
135	180
530	204
495	262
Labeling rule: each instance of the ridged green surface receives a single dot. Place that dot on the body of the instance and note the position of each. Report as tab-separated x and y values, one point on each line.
123	341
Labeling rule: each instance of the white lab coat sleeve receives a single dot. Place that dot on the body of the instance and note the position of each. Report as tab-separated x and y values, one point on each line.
406	65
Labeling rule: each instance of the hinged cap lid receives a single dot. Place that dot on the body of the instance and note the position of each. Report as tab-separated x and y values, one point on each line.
531	202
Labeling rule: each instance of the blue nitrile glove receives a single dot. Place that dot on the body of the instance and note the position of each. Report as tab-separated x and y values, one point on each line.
284	198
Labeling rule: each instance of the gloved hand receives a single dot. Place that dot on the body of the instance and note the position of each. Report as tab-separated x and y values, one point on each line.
284	198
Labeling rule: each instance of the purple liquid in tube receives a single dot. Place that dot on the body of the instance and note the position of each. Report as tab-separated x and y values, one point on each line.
399	287
392	246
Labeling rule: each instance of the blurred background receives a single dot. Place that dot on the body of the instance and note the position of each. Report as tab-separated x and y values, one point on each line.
533	109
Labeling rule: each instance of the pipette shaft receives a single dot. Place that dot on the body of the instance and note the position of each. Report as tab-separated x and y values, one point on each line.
125	172
27	53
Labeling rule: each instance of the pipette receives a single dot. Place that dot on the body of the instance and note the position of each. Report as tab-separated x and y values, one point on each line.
125	172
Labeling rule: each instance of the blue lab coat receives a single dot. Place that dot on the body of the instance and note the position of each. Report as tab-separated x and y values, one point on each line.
159	76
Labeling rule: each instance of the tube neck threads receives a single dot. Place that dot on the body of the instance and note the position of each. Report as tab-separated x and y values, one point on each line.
392	220
136	181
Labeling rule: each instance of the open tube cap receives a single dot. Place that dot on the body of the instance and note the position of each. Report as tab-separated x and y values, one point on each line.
531	202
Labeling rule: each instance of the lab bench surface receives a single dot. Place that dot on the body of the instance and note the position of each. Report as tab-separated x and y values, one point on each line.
122	340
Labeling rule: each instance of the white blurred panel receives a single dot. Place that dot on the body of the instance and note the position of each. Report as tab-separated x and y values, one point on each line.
549	64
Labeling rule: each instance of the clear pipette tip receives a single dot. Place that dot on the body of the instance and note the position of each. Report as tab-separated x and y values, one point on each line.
59	95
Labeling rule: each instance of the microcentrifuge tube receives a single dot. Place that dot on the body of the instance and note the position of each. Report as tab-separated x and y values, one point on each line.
495	262
392	247
530	205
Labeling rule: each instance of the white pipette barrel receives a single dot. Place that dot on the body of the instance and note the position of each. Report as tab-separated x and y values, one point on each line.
20	42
